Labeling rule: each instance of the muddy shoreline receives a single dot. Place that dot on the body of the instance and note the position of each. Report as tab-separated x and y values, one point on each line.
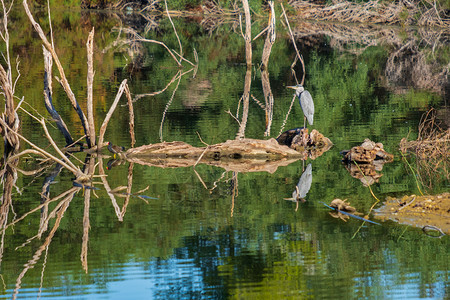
417	211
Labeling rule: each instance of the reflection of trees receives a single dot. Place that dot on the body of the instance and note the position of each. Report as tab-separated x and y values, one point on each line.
230	256
408	67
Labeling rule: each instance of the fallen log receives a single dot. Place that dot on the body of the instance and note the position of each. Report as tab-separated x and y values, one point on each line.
241	155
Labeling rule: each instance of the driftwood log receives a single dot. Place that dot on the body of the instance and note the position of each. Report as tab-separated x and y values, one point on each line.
370	158
368	152
241	155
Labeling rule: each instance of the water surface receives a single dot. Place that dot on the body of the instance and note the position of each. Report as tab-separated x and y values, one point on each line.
238	237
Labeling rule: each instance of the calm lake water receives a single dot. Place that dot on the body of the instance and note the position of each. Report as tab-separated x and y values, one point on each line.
207	233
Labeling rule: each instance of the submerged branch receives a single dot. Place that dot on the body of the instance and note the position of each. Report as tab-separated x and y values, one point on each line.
167	108
108	189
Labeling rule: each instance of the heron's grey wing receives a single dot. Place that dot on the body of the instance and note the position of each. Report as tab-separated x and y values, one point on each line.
307	105
304	184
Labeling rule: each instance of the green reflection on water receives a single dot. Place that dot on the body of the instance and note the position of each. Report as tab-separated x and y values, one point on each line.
244	243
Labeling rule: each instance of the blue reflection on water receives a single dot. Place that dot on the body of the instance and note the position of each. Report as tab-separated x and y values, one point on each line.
168	279
389	286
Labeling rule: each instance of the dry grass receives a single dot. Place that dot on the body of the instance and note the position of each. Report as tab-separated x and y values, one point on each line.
432	148
401	12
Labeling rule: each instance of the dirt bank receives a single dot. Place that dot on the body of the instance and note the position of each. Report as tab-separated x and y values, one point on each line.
418	211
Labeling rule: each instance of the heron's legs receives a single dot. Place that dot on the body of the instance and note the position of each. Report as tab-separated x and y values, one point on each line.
304	121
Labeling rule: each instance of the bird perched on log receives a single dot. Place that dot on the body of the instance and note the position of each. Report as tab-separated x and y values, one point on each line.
306	103
115	149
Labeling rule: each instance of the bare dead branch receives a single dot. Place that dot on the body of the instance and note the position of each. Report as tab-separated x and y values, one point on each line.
295	45
248	33
246	100
48	62
270	38
90	81
76	171
63	81
131	114
10	117
174	29
175	77
110	112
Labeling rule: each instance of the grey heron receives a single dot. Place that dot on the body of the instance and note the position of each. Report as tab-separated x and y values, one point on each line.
303	186
306	103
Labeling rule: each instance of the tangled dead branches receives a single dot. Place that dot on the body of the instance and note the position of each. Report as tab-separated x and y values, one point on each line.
432	148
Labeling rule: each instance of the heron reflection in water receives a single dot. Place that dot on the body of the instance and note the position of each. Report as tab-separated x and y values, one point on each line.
303	186
306	103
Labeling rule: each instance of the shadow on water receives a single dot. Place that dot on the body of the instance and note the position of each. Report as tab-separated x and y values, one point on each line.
203	231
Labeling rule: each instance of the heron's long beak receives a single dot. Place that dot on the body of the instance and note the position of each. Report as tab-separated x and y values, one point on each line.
291	87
